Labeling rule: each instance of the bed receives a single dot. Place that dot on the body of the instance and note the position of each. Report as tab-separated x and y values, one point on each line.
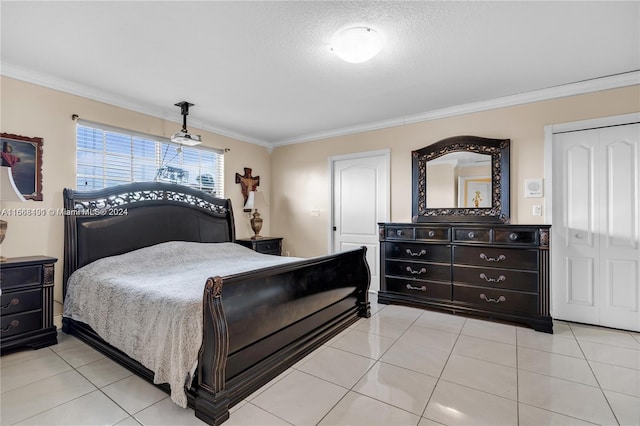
252	316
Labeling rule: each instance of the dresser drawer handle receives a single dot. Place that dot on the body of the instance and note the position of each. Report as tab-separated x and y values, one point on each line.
13	302
420	272
410	287
471	235
513	236
493	259
399	232
488	299
493	280
431	234
12	324
421	253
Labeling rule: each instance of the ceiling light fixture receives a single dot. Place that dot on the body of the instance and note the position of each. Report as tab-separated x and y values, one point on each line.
358	44
184	137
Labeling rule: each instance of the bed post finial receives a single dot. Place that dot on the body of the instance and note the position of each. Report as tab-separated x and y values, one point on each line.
213	406
214	285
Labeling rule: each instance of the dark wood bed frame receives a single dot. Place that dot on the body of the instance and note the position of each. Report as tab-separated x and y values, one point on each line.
255	324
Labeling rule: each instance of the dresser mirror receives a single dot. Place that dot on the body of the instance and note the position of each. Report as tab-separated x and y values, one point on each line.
461	179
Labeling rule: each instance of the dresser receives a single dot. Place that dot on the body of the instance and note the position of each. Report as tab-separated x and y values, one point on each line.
264	245
496	271
27	302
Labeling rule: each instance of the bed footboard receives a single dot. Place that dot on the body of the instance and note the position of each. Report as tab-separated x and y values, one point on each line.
258	324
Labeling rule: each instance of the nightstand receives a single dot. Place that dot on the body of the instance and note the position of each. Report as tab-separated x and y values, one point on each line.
26	307
265	245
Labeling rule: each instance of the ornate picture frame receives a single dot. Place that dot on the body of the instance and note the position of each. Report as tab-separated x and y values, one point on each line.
24	156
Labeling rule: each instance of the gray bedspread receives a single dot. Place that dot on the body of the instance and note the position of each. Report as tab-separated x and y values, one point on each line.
148	303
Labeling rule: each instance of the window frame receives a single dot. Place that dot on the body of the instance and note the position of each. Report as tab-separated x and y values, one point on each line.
176	170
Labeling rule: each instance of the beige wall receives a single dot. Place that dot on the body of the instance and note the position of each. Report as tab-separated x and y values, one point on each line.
34	111
301	172
294	178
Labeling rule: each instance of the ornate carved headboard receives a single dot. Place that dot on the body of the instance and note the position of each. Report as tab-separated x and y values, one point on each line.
128	217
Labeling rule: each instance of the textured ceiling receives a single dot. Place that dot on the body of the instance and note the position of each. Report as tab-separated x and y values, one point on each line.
263	72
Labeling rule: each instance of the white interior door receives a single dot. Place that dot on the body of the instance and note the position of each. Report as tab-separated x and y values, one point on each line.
596	221
360	201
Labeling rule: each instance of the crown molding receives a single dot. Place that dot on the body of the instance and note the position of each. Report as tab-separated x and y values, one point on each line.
604	83
93	93
582	87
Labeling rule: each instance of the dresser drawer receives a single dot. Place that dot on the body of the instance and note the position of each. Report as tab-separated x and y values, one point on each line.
419	252
400	232
496	257
423	271
21	323
518	236
481	235
433	234
498	278
493	299
20	301
419	288
20	277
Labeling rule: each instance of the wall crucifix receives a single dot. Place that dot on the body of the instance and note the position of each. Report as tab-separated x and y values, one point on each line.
247	183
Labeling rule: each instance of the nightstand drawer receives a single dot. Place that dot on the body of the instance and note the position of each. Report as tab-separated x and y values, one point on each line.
26	303
21	323
20	301
264	245
268	247
20	277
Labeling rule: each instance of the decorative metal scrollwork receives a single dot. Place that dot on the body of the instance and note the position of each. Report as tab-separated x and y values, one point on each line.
493	259
133	197
490	300
420	253
493	280
410	287
420	272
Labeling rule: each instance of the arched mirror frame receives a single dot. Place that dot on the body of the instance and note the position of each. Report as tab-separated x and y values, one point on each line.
499	151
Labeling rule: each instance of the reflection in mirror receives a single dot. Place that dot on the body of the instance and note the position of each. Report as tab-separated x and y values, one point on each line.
459	180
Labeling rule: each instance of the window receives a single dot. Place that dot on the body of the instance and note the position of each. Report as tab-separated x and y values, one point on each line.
108	156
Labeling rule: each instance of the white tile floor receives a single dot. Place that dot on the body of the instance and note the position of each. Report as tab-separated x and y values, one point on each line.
403	366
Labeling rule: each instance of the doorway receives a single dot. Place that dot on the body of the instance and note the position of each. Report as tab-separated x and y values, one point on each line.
595	217
360	199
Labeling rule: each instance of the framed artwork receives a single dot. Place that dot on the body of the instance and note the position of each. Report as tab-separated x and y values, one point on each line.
474	192
24	156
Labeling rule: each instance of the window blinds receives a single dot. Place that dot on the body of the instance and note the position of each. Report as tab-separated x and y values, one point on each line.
108	156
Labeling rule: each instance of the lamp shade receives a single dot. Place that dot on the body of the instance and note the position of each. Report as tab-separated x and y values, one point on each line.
8	189
251	199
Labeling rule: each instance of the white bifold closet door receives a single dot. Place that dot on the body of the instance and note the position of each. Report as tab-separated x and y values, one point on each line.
596	221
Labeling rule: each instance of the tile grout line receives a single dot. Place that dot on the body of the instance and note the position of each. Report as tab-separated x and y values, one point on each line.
604	395
424	411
